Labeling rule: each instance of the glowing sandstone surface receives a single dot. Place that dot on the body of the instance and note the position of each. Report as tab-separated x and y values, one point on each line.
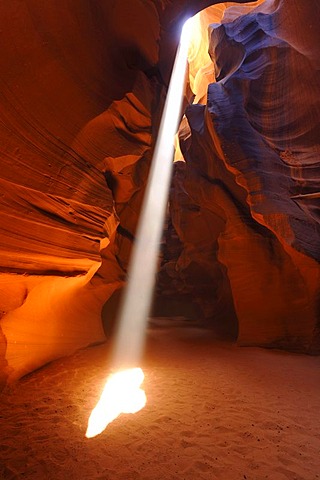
81	95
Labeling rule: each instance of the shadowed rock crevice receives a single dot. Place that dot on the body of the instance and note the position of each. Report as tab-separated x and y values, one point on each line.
263	103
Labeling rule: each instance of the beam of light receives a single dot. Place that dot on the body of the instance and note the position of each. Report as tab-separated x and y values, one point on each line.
129	340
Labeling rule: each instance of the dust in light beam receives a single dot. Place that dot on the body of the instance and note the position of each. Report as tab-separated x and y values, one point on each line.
122	392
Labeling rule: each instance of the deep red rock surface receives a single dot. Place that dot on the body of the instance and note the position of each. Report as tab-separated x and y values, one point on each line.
82	88
245	203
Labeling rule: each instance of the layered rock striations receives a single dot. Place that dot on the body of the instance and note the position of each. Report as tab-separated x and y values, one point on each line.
251	177
76	104
81	95
82	89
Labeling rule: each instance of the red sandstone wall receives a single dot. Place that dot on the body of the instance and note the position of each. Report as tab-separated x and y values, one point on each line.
82	87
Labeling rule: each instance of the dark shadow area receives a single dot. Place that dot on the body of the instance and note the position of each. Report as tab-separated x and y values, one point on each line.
166	311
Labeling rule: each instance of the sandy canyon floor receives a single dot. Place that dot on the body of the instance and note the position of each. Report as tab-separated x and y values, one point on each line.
214	411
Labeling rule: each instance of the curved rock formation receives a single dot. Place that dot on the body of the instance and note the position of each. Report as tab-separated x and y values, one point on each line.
250	185
73	98
82	87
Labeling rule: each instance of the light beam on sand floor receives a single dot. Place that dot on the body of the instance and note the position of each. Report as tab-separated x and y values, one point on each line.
122	392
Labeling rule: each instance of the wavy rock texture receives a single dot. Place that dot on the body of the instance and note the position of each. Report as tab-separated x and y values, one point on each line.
248	194
81	97
76	100
82	88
